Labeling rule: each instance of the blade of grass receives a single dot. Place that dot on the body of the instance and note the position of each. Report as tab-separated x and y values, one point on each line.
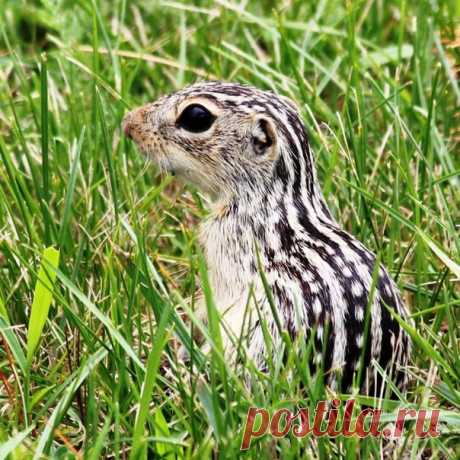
153	363
70	190
13	443
101	317
44	144
43	296
3	312
12	341
60	409
108	152
96	450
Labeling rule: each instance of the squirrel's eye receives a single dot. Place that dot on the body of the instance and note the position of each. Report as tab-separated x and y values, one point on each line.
195	118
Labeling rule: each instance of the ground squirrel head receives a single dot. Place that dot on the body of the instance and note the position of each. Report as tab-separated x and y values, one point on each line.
227	139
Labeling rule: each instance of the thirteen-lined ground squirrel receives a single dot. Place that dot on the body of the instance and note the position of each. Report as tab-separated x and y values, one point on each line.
248	150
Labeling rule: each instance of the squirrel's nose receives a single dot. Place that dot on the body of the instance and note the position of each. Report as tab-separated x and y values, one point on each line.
127	126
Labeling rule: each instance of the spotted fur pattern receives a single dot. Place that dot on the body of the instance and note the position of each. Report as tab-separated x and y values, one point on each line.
321	276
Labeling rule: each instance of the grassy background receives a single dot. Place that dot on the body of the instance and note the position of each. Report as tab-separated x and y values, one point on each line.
94	375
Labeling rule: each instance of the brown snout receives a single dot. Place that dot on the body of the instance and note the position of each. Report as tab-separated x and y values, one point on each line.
132	122
127	125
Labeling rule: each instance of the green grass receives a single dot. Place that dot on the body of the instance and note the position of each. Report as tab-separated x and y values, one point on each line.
377	85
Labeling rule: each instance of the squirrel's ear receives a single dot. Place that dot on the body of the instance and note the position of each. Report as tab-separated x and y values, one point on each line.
264	137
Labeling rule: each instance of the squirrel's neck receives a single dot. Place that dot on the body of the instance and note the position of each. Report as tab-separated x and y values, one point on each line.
254	205
267	221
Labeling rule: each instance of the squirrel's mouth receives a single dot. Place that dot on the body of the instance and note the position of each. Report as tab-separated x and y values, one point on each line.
128	124
133	128
136	129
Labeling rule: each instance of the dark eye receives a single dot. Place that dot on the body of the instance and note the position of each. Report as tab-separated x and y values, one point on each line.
195	118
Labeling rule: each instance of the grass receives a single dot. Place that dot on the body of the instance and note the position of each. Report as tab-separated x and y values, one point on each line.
377	86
